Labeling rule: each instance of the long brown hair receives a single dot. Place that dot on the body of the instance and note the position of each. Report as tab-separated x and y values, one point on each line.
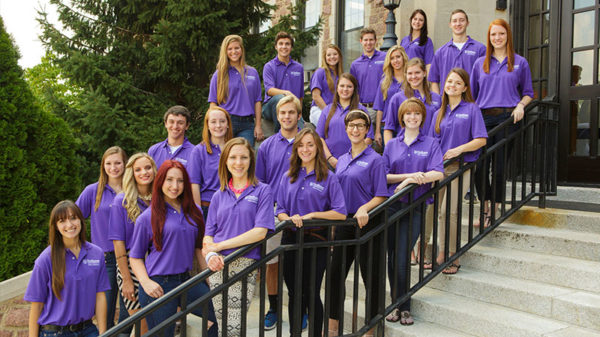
408	90
388	70
354	100
159	208
103	179
61	211
321	170
423	36
206	132
510	50
466	96
223	67
224	174
337	70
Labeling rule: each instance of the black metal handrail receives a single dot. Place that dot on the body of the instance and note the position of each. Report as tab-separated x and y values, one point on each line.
535	145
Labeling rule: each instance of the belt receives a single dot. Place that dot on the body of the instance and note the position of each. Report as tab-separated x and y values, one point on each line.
243	118
73	327
204	203
496	111
367	105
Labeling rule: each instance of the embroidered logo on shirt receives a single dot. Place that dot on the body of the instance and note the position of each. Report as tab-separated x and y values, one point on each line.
378	62
470	52
317	187
362	163
462	116
516	66
295	73
421	153
251	77
251	198
92	263
181	160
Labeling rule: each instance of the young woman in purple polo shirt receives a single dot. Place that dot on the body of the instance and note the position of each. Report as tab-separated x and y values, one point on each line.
67	286
394	68
307	191
324	80
203	166
361	172
331	127
415	85
166	237
501	85
124	211
94	202
235	87
417	43
240	213
411	158
459	127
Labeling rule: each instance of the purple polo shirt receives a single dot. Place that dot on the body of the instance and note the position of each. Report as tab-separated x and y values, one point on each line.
422	155
448	57
230	216
337	139
459	126
391	115
241	95
500	88
277	74
180	239
120	227
362	178
319	81
308	195
368	72
203	169
98	219
412	48
273	160
380	104
84	277
161	152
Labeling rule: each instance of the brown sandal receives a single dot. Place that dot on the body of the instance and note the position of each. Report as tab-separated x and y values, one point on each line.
406	318
394	316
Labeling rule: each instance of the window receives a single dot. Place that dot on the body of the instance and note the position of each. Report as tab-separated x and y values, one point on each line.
312	12
311	59
538	42
352	17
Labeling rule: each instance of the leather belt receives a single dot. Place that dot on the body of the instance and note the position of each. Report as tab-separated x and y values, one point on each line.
496	111
72	328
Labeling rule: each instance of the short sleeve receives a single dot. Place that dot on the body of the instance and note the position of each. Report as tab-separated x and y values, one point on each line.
117	220
322	119
478	129
428	51
391	113
212	92
475	73
336	195
378	175
261	162
317	80
434	72
142	235
264	212
282	191
525	80
436	159
256	89
268	76
102	284
379	104
194	165
37	289
86	200
210	227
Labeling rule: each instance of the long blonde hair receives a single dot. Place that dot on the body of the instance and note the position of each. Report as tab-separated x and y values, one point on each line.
103	179
339	67
223	67
130	187
388	70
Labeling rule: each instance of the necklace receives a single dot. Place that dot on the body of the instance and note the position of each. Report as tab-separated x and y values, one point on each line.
147	197
237	191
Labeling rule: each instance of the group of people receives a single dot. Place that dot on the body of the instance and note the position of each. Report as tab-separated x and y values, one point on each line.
154	213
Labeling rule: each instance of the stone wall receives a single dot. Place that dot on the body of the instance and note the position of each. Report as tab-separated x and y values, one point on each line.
14	317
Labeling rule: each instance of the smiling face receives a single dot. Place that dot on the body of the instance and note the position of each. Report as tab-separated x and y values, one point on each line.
455	86
459	23
114	166
70	226
498	37
413	119
368	43
417	22
217	123
234	52
332	57
345	89
143	172
173	185
283	47
415	76
307	150
356	130
396	60
288	116
238	162
176	126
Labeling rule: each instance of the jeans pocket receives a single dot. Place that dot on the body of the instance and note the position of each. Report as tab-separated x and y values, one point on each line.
48	333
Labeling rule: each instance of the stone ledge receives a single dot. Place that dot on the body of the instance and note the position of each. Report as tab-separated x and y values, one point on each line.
14	287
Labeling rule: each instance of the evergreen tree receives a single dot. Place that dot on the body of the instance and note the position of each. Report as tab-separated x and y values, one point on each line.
36	166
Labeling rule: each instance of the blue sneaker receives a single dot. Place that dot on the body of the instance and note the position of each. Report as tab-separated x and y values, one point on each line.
270	319
304	322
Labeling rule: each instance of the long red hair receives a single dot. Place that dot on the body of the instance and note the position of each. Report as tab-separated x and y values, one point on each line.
510	49
158	205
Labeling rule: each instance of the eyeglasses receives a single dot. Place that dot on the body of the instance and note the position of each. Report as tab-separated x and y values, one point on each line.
359	126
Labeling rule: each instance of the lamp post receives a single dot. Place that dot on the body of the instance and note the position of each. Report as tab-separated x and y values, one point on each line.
390	39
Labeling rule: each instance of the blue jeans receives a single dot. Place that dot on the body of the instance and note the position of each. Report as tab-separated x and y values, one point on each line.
168	283
243	126
111	295
269	112
90	331
204	212
398	257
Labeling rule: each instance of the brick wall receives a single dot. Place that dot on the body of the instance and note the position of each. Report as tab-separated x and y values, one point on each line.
14	318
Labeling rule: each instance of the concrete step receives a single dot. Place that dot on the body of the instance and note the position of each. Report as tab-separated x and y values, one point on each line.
561	242
577	194
557	218
555	270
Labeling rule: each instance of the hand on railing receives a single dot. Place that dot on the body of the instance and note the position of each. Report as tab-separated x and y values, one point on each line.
362	216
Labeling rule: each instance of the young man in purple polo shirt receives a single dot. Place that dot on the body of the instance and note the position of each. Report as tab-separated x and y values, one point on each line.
177	120
461	51
282	76
272	161
368	69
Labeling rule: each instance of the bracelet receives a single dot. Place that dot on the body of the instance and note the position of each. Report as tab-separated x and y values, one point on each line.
124	255
329	157
209	255
521	104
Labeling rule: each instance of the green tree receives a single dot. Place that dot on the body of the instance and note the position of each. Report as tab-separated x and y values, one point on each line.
36	166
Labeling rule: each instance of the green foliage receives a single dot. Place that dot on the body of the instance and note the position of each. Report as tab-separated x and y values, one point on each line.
36	166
